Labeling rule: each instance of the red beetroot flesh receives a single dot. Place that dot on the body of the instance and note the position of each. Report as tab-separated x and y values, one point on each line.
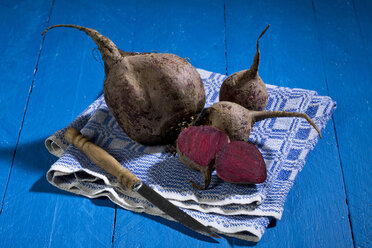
241	162
201	143
197	147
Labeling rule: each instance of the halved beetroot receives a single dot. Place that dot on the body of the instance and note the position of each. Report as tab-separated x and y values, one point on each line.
241	162
197	147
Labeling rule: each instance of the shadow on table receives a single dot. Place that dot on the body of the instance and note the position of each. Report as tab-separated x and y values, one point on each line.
181	228
234	242
43	186
33	156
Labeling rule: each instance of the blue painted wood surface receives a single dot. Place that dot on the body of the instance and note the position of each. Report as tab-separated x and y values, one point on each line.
319	45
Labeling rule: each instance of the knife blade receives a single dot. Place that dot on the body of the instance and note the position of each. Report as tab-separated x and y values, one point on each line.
108	163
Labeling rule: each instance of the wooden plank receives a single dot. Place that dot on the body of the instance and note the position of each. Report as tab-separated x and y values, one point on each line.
68	79
193	29
169	26
36	213
290	56
363	15
348	74
21	45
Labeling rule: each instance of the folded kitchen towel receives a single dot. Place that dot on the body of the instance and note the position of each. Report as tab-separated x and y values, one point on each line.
241	211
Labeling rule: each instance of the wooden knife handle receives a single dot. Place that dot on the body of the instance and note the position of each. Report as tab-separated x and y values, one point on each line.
102	158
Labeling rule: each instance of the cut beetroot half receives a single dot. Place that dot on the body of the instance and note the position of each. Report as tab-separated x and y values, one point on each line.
241	162
197	147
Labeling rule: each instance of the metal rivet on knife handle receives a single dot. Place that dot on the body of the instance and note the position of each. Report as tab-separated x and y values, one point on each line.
102	158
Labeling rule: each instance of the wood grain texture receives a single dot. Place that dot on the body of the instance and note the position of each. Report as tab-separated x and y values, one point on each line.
171	26
318	45
101	158
190	29
348	73
21	26
68	80
291	57
363	17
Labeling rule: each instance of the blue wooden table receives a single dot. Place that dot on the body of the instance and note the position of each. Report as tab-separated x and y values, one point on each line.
47	81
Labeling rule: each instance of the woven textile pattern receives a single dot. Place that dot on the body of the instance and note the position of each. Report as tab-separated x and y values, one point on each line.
242	211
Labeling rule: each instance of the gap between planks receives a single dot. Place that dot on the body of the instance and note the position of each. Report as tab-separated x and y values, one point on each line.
333	122
225	39
25	110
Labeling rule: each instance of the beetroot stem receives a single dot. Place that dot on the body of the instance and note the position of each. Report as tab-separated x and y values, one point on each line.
256	60
261	115
207	174
259	37
110	53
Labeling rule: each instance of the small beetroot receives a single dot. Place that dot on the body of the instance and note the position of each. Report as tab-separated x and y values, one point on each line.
237	121
197	147
241	162
246	87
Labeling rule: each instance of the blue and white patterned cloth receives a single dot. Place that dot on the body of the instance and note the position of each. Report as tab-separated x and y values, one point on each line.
242	211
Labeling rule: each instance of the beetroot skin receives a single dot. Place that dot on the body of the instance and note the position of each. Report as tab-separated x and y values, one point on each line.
241	162
246	87
237	121
197	147
151	95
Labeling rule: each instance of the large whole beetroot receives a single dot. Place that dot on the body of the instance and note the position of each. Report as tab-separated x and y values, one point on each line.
151	95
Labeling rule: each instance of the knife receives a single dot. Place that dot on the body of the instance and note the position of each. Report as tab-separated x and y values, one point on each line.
108	163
